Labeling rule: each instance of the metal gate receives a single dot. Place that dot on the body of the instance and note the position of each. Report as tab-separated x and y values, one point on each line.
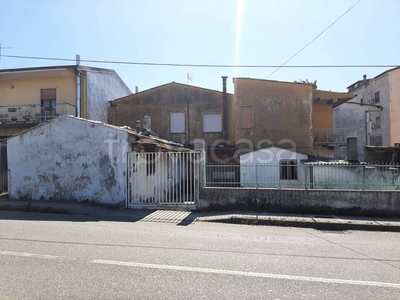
164	179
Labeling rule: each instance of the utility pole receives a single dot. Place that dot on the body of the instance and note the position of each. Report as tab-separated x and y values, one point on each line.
1	48
189	78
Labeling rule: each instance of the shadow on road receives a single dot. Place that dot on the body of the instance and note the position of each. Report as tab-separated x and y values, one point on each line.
88	212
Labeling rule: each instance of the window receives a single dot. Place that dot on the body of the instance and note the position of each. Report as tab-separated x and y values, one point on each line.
378	122
212	123
177	121
377	97
288	169
246	116
48	102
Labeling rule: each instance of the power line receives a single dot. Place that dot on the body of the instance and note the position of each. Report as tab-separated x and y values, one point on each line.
1	48
321	33
284	64
199	65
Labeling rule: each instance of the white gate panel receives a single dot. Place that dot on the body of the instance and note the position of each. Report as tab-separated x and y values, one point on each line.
164	179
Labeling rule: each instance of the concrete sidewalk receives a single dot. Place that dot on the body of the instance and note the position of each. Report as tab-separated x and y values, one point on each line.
85	211
323	222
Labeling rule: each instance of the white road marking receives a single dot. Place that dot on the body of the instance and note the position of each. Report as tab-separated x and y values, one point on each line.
248	274
216	271
24	254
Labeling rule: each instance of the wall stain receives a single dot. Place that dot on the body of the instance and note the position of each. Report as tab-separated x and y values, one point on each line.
81	182
104	159
55	177
110	179
43	178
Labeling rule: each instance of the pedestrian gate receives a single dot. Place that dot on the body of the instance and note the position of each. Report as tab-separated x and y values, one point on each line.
164	179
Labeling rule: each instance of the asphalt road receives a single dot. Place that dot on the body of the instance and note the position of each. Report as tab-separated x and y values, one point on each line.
56	256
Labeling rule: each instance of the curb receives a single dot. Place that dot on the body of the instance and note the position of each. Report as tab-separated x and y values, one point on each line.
287	222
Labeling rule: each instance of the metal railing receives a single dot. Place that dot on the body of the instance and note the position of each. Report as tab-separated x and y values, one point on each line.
304	176
326	136
33	113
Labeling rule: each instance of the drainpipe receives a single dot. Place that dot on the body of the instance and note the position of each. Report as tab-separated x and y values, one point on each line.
224	107
78	87
366	128
83	94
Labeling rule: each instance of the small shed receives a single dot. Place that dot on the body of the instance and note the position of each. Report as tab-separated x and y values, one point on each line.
271	168
74	159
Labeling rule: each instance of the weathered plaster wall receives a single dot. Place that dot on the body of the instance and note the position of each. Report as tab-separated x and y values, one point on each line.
159	102
302	201
281	110
102	87
394	82
68	159
367	95
323	151
350	116
381	84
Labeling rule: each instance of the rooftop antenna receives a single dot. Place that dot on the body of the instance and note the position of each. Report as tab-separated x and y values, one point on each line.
189	79
0	52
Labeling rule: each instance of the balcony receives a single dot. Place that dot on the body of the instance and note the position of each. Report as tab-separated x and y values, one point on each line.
333	137
32	114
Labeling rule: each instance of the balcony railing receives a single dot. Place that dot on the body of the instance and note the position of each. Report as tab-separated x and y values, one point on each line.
336	136
34	113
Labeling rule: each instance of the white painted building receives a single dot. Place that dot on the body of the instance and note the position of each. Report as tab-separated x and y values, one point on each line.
373	115
73	159
272	167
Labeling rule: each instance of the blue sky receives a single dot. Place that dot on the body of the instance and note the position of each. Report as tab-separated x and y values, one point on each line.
251	32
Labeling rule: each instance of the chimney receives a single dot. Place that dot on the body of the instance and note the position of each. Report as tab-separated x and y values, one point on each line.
78	59
224	107
146	123
363	89
138	126
136	89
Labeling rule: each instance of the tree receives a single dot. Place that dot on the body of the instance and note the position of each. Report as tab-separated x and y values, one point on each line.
313	83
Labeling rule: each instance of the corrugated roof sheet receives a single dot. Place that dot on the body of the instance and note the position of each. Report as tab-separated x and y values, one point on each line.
332	162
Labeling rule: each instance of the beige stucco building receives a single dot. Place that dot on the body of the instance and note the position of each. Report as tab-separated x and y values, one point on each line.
178	112
29	96
260	114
